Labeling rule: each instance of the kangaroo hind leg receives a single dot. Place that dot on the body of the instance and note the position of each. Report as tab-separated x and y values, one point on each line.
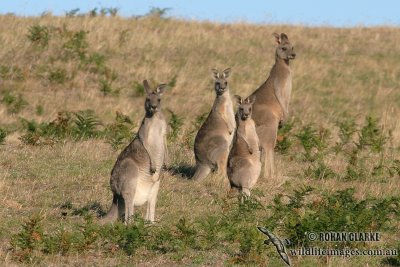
202	170
151	202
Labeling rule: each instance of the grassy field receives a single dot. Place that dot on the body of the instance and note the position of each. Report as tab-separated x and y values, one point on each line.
71	99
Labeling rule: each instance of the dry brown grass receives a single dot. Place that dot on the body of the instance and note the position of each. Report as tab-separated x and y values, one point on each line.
338	73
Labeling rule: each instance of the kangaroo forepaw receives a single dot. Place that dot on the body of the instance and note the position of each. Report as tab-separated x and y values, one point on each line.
281	123
152	170
251	151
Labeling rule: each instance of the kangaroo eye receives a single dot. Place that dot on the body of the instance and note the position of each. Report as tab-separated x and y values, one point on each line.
159	100
284	48
250	109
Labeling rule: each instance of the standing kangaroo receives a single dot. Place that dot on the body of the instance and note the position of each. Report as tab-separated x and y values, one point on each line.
135	176
244	163
272	101
213	141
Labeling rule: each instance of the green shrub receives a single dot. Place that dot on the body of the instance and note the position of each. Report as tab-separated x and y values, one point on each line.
105	87
120	132
250	248
89	233
103	11
172	82
93	12
129	237
314	142
284	142
338	212
8	98
138	89
176	123
30	138
86	124
108	10
3	135
106	82
163	241
30	238
319	170
59	128
79	125
158	12
394	168
39	110
72	12
14	103
11	73
347	128
47	133
77	45
33	134
98	62
113	11
371	135
233	230
57	75
39	35
60	242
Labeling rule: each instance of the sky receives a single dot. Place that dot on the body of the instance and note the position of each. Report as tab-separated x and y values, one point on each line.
337	13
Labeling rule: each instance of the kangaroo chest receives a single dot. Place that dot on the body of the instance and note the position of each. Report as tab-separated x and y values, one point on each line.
283	87
248	133
225	110
286	88
229	112
154	140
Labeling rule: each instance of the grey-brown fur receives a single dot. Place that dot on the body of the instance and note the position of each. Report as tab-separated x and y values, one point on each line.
135	178
272	101
213	140
244	163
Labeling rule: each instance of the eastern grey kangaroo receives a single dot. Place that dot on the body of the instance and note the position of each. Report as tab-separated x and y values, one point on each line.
135	178
272	101
244	162
213	140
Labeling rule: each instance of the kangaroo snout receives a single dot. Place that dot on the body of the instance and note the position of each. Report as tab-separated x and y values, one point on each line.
293	56
220	86
245	117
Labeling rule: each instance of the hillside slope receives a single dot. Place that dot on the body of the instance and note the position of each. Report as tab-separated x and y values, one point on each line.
343	133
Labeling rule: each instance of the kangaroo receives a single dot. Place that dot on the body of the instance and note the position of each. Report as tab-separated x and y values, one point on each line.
244	162
135	176
213	140
272	101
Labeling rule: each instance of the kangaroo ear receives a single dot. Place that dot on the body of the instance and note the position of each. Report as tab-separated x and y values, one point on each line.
161	88
238	99
226	72
277	37
215	73
251	99
147	87
284	37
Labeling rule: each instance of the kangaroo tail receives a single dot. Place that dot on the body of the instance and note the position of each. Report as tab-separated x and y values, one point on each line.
114	212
